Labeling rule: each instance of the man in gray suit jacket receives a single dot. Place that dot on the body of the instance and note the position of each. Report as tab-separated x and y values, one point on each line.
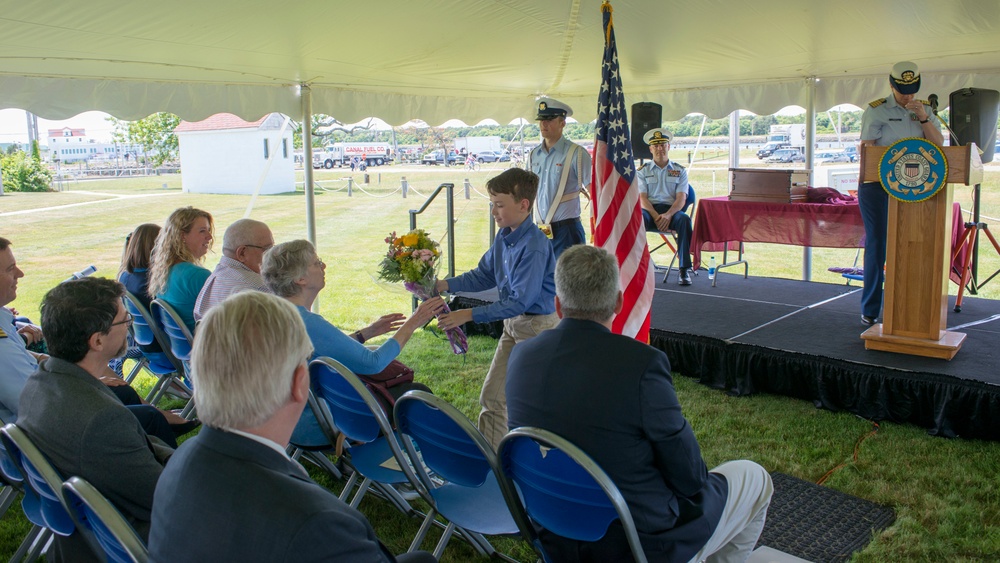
613	397
75	420
231	493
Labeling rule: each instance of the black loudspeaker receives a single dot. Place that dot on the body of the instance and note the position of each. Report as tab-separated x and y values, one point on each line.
645	116
974	118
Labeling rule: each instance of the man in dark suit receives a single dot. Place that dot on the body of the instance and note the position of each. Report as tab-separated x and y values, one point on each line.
614	398
231	493
76	420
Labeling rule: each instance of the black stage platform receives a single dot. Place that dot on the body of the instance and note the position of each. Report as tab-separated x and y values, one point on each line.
802	339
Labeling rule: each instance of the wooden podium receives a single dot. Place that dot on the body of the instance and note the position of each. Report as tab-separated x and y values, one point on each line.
918	253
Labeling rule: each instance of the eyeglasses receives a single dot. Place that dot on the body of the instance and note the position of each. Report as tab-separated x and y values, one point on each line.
262	248
127	321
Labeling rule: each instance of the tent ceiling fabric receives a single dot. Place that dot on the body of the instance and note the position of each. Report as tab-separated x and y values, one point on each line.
475	59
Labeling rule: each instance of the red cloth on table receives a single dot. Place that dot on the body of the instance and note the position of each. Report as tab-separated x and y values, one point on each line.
719	220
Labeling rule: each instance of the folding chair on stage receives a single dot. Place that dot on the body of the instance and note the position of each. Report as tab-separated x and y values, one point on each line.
562	490
100	518
164	365
672	242
454	449
181	342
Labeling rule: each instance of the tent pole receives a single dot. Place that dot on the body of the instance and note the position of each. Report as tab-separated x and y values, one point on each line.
810	143
734	139
307	168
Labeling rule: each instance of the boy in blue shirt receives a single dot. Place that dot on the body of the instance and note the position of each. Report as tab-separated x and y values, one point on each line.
520	264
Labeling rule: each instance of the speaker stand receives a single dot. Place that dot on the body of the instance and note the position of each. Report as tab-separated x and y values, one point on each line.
970	267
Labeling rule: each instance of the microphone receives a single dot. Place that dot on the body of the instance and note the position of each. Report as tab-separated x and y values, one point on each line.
933	99
82	273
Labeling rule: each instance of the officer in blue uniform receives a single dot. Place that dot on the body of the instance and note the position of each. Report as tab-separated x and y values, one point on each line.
548	160
885	121
663	192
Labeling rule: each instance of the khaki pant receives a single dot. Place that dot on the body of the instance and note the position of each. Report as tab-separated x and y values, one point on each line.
493	399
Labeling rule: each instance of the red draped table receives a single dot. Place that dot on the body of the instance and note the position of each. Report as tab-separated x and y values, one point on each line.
719	220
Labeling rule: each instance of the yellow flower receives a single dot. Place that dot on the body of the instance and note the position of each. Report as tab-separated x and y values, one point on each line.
411	239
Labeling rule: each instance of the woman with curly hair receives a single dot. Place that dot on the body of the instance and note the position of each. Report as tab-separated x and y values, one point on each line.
176	274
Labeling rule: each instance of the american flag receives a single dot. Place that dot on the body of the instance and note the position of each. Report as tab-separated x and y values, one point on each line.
619	218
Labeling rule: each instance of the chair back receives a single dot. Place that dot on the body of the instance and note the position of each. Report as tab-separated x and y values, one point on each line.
562	489
355	410
689	202
41	478
30	503
146	331
173	326
97	515
449	443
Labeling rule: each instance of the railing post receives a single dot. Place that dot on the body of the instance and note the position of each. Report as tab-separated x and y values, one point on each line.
350	185
468	186
451	229
404	187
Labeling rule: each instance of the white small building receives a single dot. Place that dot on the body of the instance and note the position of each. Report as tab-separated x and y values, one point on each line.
226	155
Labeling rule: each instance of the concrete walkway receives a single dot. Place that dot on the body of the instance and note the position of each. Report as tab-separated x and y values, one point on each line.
110	197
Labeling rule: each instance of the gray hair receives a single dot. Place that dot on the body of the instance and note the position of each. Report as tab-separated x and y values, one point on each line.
285	264
241	232
244	358
587	283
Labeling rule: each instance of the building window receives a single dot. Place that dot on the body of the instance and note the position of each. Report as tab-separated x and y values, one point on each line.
284	148
267	150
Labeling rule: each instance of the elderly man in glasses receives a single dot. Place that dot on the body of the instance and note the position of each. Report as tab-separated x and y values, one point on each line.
243	248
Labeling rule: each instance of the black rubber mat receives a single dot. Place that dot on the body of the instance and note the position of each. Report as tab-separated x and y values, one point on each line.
820	524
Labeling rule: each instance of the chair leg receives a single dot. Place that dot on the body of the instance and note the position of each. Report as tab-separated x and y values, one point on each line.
139	364
361	492
33	545
7	497
443	542
320	460
351	481
422	532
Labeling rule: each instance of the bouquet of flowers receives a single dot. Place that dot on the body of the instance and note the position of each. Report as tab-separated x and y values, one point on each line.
413	260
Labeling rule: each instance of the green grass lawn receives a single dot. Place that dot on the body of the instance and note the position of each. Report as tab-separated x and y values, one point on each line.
945	492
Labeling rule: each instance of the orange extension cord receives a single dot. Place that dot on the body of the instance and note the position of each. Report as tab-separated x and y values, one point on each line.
854	457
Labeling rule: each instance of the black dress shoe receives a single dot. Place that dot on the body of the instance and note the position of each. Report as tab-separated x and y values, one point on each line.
184	428
685	277
866	320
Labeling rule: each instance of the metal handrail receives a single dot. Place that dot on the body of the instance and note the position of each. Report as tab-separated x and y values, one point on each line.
450	214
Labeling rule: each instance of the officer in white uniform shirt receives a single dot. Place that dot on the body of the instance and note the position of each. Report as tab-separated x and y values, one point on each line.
885	121
563	169
663	192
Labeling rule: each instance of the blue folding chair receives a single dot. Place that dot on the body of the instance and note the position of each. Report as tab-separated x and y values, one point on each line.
38	536
672	245
163	365
96	515
453	448
562	490
180	339
44	480
371	448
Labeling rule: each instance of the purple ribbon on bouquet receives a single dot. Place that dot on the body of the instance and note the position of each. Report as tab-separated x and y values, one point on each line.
457	339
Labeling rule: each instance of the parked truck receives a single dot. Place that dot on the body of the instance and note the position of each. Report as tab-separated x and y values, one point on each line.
341	154
794	134
475	145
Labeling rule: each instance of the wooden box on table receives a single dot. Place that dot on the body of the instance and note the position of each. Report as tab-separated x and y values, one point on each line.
774	186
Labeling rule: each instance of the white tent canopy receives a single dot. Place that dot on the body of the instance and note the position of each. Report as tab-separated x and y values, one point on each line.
474	59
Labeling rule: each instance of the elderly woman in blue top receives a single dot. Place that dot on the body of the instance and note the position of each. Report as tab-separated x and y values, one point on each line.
293	270
176	274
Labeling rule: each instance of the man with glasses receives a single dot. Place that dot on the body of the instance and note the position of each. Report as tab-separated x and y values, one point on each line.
76	420
243	248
